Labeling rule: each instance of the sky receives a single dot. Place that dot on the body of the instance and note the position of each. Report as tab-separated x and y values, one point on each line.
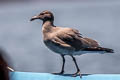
22	39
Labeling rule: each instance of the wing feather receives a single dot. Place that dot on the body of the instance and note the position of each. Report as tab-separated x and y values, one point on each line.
71	38
87	42
68	37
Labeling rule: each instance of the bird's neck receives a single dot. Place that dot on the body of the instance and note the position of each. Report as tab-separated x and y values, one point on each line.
47	26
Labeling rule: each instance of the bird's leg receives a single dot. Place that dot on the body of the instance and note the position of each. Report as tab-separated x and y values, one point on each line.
78	70
62	71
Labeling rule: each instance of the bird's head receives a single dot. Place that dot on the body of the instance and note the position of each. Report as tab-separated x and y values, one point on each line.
44	16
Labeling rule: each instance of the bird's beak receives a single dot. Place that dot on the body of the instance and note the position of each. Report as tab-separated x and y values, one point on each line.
34	17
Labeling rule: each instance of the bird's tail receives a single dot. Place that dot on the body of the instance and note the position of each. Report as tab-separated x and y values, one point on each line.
99	49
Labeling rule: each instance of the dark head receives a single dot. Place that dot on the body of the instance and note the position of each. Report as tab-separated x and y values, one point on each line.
44	16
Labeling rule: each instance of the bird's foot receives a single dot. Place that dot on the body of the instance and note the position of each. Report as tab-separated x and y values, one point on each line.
59	73
76	74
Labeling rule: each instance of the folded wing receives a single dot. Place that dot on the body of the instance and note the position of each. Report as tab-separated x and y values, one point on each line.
71	38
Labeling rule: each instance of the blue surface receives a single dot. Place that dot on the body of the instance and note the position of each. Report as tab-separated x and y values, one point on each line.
48	76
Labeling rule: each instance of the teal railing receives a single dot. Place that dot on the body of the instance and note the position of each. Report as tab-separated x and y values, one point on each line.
48	76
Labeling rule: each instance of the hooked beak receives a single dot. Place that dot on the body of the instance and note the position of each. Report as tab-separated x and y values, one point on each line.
34	17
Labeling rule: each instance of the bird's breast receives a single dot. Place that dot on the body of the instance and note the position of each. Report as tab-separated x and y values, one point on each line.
56	48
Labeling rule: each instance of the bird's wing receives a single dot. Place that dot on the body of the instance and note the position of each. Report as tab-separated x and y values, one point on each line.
68	37
87	42
71	38
58	42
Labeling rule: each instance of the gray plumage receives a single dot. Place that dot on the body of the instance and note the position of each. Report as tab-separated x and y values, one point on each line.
66	41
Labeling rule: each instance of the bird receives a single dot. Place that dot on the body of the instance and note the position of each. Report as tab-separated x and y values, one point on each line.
66	41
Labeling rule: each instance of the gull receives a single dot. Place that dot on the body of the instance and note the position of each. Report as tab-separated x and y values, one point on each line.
66	41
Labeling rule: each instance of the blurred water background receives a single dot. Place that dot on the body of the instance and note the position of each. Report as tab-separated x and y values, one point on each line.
22	39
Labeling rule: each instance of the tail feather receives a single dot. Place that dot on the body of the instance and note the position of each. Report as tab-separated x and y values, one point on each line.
99	49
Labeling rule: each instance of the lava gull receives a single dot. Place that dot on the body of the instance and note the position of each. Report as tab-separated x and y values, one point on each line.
66	41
